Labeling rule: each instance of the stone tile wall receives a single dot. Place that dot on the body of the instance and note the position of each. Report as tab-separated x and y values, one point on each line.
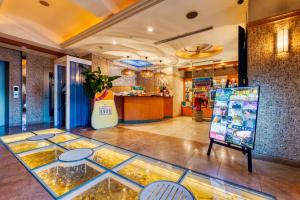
37	90
13	57
278	75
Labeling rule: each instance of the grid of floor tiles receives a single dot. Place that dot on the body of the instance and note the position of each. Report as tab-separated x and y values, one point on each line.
111	172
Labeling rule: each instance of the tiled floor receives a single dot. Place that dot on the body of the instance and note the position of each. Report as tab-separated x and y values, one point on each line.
179	127
279	180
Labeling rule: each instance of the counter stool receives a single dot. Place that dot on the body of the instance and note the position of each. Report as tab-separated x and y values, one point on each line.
165	190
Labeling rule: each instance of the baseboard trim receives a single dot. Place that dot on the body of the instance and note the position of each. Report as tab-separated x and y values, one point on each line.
292	163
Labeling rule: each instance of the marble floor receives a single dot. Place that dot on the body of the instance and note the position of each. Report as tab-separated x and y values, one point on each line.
179	127
279	180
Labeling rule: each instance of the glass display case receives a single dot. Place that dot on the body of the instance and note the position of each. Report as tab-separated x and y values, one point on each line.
16	137
145	171
81	143
64	177
109	187
204	188
63	137
40	157
22	146
110	157
49	131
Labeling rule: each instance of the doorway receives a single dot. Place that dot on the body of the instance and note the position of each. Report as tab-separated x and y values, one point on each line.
3	94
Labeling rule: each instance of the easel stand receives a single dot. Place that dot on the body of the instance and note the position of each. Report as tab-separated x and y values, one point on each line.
244	150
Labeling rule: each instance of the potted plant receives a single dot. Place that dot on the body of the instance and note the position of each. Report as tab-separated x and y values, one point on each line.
97	86
95	82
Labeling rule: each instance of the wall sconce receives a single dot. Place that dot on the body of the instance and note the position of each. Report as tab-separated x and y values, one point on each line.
283	41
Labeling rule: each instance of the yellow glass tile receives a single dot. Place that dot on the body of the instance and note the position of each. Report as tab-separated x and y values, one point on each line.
64	137
109	189
44	157
79	144
109	157
49	131
203	188
16	137
146	172
62	179
20	147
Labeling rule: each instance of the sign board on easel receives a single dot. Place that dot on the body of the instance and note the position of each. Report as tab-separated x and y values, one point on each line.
234	119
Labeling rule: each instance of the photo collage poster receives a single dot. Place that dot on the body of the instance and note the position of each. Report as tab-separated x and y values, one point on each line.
234	116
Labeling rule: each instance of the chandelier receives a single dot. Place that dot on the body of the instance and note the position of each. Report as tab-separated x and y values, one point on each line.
160	74
146	73
128	72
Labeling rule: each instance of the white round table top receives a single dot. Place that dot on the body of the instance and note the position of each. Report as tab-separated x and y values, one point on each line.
40	137
165	190
75	155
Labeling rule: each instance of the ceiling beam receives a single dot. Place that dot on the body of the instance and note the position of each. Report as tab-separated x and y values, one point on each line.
111	20
23	44
184	35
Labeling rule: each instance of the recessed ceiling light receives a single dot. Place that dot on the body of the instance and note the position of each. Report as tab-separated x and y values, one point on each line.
150	29
114	42
44	3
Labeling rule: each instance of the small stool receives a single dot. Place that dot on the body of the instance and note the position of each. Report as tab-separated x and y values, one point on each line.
165	190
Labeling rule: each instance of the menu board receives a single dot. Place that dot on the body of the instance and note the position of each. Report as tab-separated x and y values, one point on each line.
234	116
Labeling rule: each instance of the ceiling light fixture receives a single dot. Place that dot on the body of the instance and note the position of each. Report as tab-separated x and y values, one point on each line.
160	74
147	73
128	72
44	3
150	29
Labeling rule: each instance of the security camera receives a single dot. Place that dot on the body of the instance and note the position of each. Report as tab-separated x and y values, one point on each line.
240	2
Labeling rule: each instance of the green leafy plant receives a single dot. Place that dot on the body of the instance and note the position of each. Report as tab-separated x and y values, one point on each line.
96	82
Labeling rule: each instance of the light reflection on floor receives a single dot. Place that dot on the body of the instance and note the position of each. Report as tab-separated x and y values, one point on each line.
111	172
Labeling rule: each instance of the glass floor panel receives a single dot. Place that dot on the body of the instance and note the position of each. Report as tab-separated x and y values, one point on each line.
19	147
49	131
108	187
110	157
63	137
16	137
209	188
145	171
82	143
64	177
40	157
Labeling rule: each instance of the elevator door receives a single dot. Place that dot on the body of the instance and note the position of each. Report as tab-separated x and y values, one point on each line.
80	110
3	94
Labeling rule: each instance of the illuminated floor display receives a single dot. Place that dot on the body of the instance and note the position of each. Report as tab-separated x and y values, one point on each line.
16	138
41	157
22	146
63	137
111	172
82	143
109	157
145	171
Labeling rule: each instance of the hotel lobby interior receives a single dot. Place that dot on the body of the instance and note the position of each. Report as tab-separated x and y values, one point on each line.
150	99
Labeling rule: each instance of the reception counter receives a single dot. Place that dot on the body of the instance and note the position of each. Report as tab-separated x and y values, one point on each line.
143	109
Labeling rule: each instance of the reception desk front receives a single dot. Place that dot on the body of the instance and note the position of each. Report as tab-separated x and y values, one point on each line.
143	109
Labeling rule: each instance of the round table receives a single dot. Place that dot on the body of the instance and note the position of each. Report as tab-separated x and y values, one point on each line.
164	190
40	137
75	155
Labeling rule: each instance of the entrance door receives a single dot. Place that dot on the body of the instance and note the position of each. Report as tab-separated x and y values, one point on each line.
3	94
